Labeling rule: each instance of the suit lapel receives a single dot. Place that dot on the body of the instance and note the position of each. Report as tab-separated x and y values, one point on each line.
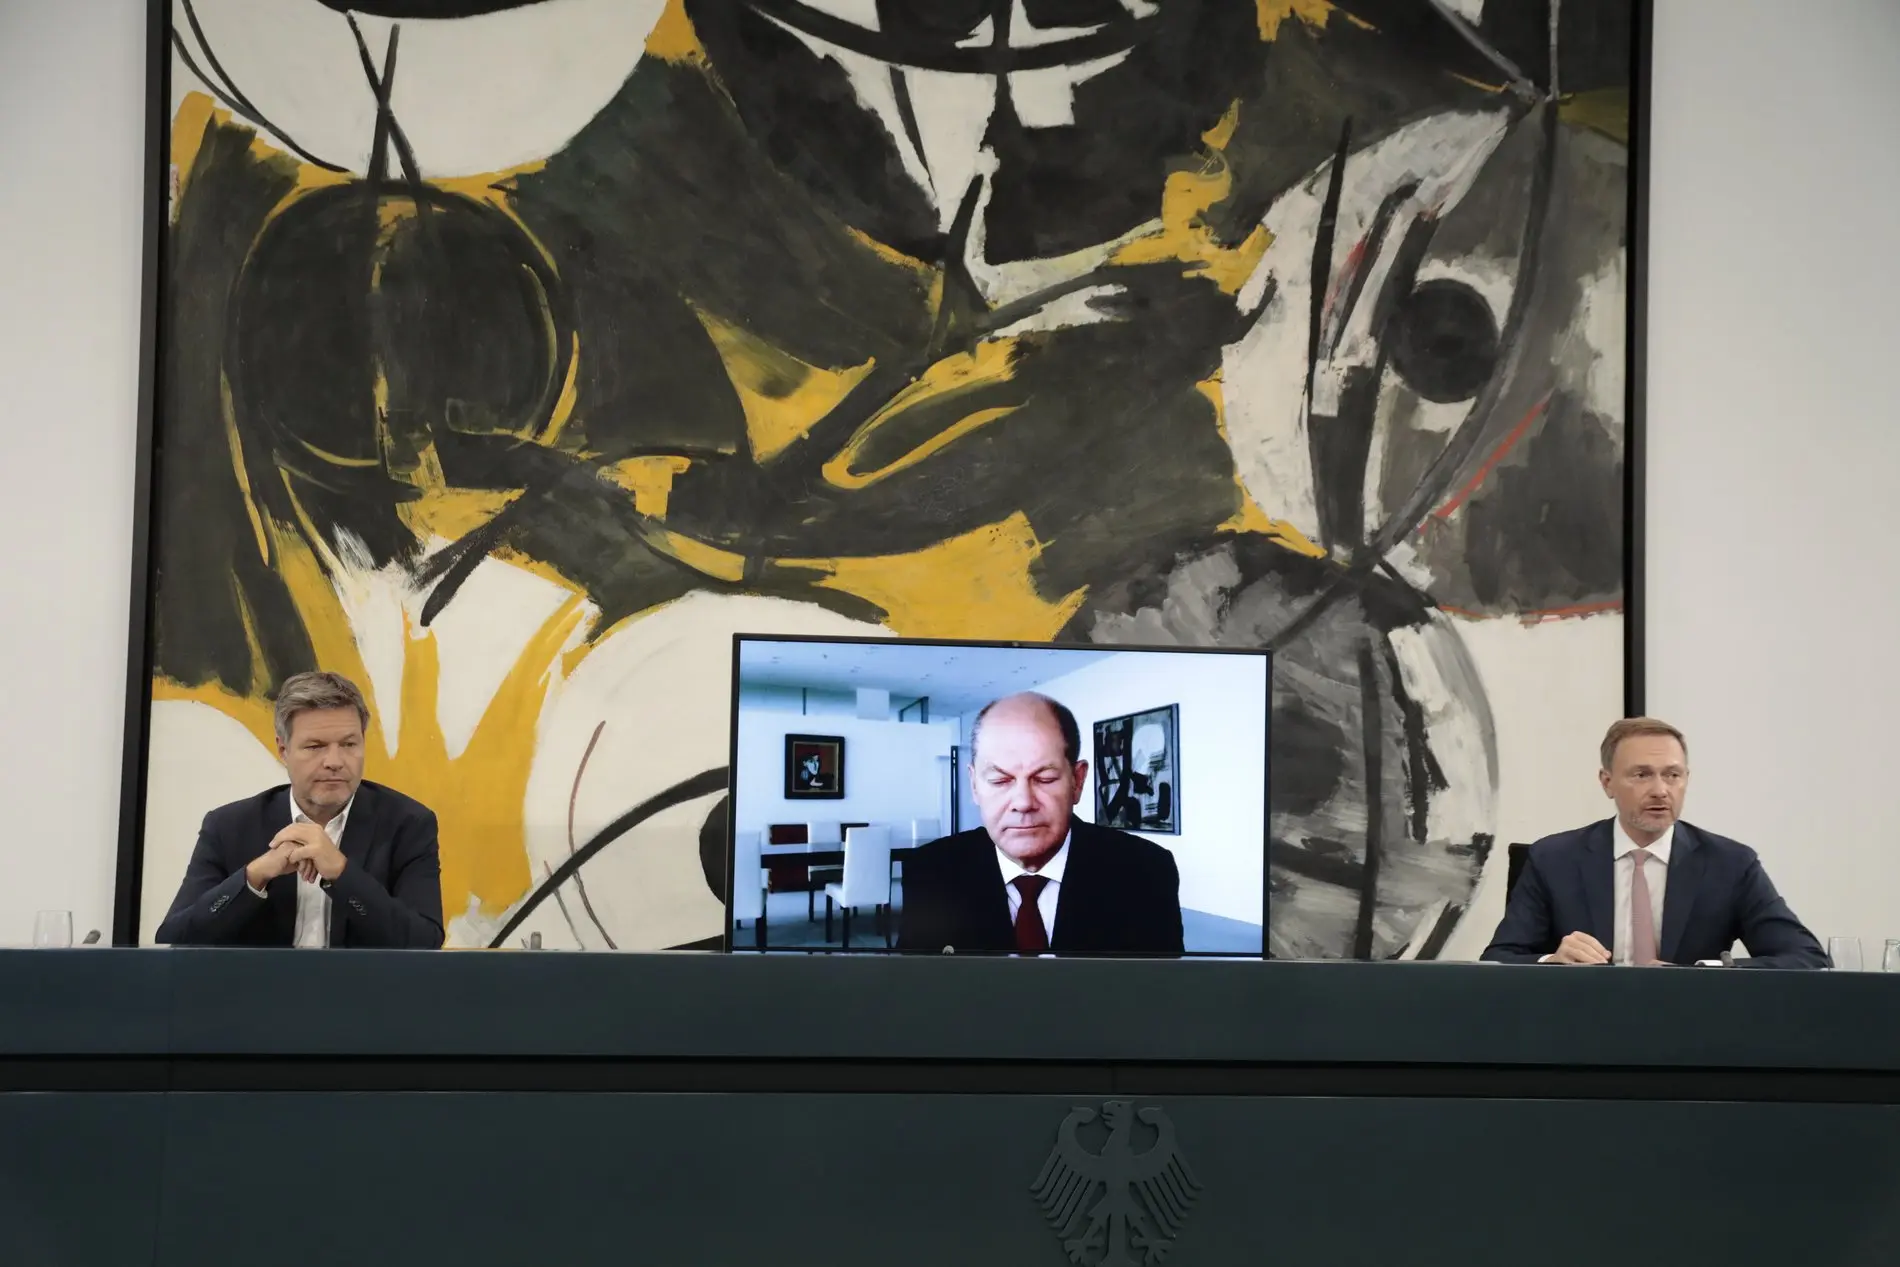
281	893
1074	896
987	894
1679	892
359	835
1599	886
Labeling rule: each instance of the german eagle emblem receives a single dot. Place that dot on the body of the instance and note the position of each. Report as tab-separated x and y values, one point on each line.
1116	1207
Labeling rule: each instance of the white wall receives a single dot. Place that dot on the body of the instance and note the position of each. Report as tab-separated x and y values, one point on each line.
891	771
72	82
1772	595
1221	847
1774	436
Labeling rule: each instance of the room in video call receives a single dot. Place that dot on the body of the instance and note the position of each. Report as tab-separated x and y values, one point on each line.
853	762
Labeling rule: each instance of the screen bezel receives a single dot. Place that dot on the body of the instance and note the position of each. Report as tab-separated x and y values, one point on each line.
728	941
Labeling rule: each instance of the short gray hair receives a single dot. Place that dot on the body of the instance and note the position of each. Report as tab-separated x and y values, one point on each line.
307	692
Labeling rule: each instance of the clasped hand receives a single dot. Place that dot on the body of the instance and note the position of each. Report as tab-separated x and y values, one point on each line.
302	848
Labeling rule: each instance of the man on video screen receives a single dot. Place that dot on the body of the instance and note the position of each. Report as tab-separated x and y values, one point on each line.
1035	879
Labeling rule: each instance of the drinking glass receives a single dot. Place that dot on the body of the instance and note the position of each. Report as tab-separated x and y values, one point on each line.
1843	954
53	929
1890	957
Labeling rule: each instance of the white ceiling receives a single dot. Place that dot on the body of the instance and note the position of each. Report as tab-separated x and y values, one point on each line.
958	679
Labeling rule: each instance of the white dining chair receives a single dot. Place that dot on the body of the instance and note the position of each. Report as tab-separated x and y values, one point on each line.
748	883
866	882
820	835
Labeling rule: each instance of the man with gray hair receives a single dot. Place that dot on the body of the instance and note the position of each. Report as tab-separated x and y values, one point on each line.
327	860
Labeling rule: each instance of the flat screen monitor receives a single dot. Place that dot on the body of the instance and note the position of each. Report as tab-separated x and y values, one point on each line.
901	795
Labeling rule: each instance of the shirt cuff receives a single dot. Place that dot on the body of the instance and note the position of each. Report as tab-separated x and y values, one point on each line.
1545	958
253	888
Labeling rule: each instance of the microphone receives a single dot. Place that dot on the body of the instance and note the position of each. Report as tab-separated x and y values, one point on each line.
92	938
949	950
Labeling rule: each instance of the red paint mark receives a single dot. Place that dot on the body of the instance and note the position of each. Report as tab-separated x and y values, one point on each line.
1549	613
1497	455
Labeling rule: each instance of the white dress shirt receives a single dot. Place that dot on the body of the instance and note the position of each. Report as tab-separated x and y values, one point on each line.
313	904
1045	900
1655	871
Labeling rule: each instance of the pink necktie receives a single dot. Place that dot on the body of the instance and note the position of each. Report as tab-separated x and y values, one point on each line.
1642	917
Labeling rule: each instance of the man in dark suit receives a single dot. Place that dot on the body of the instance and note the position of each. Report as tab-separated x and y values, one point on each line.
329	860
1645	887
1034	879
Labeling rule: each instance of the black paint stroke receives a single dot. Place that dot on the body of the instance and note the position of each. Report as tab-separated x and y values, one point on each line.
580	884
1423	775
703	784
1372	733
1515	79
387	125
907	112
427	8
1322	279
565	913
1109	40
1460	453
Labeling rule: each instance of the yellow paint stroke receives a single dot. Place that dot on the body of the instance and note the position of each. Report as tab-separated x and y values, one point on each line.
570	389
972	586
990	362
722	565
452	513
891	255
228	414
783	397
649	479
838	469
1251	517
1606	110
479	796
1479	84
1315	13
674	39
1271	13
1185	235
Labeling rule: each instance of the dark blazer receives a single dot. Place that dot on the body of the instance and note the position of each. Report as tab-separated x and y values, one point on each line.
1717	894
1120	895
390	894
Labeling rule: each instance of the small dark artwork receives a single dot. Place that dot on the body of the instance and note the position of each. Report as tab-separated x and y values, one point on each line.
814	767
1138	771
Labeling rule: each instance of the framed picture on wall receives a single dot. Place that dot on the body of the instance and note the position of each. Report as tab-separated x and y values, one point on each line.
1138	771
814	767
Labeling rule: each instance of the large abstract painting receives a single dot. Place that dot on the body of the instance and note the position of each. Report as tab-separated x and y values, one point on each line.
511	356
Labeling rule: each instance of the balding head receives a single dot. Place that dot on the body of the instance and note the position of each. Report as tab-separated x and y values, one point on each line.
1026	774
1026	706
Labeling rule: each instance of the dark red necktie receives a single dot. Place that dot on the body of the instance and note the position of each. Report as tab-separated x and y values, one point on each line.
1031	937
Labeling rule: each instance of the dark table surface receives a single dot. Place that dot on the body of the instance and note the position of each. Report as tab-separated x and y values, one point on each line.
516	1004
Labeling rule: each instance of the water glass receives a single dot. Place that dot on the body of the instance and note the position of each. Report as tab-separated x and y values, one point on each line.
1843	954
1890	957
53	929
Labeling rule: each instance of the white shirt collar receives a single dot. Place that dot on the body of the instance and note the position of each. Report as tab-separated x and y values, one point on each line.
1660	849
334	828
1050	870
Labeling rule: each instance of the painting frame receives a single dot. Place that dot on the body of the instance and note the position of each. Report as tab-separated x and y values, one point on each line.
150	455
1118	787
814	768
